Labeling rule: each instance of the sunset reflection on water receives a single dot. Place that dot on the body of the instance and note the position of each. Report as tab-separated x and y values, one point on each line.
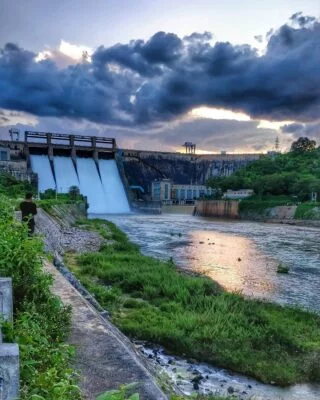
235	262
261	247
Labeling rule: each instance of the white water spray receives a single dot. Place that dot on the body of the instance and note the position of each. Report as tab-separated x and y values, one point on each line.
115	195
41	166
66	175
90	185
105	195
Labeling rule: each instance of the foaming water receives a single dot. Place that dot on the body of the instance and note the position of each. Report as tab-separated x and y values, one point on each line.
41	166
90	185
66	175
105	191
115	195
217	381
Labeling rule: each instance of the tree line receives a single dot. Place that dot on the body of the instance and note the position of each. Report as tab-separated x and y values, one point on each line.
296	173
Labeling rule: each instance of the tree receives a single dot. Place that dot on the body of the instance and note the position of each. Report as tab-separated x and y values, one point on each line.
302	145
48	194
74	192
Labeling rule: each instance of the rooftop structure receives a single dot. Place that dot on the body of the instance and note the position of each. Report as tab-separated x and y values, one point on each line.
190	147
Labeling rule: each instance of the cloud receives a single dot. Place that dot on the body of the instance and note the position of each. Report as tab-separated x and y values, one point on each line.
302	20
196	36
147	59
259	38
311	130
8	118
147	83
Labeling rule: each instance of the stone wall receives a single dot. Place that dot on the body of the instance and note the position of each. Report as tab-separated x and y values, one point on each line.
141	168
217	208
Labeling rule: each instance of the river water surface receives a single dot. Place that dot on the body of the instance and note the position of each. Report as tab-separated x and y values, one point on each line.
241	256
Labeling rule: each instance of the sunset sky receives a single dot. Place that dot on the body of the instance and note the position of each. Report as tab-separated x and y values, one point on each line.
226	75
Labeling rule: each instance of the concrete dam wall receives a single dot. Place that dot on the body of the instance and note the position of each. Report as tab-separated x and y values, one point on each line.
143	167
59	161
217	208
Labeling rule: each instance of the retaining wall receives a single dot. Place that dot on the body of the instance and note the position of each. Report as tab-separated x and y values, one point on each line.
217	208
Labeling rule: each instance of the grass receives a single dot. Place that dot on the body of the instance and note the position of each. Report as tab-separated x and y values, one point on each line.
193	317
41	323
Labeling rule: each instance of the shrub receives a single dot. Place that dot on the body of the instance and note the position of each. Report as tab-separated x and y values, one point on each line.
41	322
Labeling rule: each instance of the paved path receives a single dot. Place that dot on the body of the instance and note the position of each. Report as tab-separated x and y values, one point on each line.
105	358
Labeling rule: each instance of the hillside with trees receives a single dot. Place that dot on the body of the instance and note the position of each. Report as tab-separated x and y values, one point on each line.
295	174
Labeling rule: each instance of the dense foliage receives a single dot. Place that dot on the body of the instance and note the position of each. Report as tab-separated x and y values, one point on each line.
151	300
11	187
41	323
72	195
291	174
303	144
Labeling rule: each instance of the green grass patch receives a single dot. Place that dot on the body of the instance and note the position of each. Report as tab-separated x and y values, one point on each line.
192	316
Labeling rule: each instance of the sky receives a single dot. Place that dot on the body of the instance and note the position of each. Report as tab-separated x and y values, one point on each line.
225	75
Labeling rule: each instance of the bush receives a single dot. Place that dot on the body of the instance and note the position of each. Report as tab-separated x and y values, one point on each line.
308	211
11	187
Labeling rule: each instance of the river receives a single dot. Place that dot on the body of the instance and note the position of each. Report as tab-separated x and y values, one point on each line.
241	256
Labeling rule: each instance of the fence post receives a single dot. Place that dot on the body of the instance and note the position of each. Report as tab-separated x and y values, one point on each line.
6	303
9	352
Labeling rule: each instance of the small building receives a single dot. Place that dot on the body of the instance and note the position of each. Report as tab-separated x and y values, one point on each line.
161	190
168	192
238	194
189	193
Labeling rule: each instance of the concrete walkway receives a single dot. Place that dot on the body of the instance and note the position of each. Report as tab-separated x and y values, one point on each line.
105	358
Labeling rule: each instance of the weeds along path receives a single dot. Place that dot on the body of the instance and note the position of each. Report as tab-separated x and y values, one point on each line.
104	356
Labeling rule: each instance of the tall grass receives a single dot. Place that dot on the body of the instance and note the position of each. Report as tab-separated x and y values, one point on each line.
192	316
41	323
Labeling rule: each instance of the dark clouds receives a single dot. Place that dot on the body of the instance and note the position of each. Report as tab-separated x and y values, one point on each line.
147	59
302	20
311	130
154	81
216	135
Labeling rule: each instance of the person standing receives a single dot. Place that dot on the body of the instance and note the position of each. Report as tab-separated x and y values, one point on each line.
28	210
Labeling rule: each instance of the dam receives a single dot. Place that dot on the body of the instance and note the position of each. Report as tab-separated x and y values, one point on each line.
109	177
61	161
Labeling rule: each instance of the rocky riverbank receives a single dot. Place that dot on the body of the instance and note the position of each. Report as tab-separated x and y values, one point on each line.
65	238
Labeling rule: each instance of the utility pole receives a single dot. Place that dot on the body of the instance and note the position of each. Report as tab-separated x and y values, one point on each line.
276	145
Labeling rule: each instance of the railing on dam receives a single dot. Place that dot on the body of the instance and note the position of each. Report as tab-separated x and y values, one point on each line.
49	139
